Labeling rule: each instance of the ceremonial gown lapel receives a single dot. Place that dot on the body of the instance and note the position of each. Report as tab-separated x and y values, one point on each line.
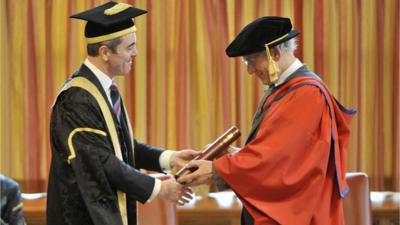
124	134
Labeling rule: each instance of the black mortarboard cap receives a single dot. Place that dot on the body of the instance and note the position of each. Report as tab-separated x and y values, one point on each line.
108	21
269	30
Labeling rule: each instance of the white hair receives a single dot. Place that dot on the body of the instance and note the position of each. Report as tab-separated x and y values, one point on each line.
288	46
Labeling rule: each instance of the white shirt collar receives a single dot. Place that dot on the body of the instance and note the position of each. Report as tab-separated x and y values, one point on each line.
104	79
288	72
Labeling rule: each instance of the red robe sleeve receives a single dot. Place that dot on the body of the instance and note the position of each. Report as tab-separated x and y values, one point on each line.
279	172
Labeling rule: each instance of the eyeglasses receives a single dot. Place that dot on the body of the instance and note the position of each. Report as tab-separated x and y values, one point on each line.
250	59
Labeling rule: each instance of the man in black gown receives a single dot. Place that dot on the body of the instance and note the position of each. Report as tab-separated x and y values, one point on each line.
94	177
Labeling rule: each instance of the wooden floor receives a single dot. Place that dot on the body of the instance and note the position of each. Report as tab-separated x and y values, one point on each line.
224	209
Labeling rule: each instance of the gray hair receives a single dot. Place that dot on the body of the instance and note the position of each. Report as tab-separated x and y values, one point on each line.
93	49
288	46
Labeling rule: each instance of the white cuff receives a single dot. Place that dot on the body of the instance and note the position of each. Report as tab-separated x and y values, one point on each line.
156	190
233	149
165	160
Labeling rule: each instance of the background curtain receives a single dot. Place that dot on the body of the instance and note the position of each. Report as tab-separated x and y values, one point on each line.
184	91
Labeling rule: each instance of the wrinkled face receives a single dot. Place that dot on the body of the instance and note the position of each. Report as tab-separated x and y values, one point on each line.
120	62
257	64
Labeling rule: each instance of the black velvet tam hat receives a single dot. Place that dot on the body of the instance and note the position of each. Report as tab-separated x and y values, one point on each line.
109	21
269	30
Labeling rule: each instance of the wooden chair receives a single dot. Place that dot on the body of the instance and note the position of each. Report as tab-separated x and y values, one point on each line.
34	208
357	204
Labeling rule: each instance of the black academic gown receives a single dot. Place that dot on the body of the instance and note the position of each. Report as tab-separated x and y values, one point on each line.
86	193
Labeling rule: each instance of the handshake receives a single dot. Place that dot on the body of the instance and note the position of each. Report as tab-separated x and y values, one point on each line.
198	171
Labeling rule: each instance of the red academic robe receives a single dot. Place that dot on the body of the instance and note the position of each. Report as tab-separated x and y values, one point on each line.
293	170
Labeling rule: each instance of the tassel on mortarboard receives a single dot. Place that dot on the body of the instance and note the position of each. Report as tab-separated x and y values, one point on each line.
117	9
273	69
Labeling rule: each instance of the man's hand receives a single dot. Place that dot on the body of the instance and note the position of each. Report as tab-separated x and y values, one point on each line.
181	157
201	175
175	193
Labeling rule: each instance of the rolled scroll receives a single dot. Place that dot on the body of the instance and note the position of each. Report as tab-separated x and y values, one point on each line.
214	150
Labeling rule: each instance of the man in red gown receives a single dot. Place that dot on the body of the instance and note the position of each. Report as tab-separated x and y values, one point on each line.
292	168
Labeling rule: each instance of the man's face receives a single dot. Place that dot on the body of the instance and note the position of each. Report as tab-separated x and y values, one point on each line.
257	63
120	62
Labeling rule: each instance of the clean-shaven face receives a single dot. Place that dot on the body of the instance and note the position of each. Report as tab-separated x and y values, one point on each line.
120	62
257	64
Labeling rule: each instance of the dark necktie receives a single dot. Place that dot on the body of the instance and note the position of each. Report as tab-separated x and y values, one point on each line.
117	107
116	101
